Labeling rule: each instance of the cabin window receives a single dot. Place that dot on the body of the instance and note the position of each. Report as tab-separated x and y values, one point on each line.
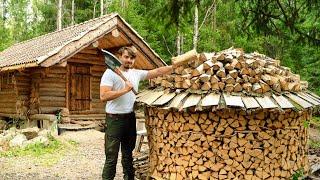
6	81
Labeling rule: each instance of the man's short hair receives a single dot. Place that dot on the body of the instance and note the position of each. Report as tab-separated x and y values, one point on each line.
131	53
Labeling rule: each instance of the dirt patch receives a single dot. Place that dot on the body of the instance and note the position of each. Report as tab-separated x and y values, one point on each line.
85	160
314	133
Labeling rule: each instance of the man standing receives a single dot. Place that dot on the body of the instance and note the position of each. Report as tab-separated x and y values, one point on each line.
120	118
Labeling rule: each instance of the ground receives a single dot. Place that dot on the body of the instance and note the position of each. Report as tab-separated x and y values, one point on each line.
82	161
83	158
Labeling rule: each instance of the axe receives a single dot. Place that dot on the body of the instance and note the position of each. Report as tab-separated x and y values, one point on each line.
113	63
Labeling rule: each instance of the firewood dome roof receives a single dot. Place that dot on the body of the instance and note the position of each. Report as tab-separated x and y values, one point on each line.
230	78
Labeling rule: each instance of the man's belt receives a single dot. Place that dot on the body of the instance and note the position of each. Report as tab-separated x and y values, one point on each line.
120	116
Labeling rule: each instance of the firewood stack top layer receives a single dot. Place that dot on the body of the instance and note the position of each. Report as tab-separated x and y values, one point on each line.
230	78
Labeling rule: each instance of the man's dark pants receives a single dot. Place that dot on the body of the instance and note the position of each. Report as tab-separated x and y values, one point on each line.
120	131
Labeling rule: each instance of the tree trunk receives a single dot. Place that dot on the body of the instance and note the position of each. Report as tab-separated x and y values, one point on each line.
101	8
196	26
123	5
72	12
94	8
3	13
106	5
181	44
59	15
178	41
214	21
4	10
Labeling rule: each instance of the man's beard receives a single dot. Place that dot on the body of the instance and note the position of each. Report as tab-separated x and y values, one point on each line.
127	66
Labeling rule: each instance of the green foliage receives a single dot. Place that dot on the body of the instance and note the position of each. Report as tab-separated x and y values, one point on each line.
316	119
293	19
298	174
45	17
315	122
306	124
242	24
84	10
314	144
311	73
4	36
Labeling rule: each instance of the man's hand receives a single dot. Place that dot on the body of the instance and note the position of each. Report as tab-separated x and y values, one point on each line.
107	94
128	86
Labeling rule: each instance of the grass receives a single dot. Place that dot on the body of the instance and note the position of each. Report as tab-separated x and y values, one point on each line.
298	175
34	150
315	122
316	119
42	154
74	143
314	144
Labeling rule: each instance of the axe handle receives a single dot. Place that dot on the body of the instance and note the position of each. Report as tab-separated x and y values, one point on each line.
117	71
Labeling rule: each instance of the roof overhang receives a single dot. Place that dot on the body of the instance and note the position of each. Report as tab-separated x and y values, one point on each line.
100	32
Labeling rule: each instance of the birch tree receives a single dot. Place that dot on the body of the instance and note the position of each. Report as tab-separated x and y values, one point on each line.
59	15
101	8
196	24
72	12
3	10
214	20
94	8
178	43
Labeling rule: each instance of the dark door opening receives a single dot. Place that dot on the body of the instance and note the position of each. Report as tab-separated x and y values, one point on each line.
80	95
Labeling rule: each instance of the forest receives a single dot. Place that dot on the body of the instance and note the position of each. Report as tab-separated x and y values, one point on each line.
288	30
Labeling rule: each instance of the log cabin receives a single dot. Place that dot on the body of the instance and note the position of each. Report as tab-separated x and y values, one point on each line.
62	70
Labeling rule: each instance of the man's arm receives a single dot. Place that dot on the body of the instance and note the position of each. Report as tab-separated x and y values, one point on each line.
106	93
159	71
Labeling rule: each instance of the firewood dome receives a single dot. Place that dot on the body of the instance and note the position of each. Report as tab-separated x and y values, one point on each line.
228	115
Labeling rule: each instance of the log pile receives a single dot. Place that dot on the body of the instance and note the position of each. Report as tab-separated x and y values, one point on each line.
227	144
232	70
228	115
141	165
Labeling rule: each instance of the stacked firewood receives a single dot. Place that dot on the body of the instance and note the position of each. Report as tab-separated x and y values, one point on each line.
232	70
227	144
141	165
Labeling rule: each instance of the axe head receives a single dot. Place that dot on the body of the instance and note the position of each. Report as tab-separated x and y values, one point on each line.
111	61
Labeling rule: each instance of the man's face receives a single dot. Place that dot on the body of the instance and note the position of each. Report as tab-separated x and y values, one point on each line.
127	60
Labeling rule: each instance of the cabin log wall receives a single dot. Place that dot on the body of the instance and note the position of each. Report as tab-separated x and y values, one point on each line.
23	89
8	99
46	90
52	89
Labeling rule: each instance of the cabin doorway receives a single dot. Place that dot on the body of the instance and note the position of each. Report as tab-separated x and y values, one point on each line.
79	87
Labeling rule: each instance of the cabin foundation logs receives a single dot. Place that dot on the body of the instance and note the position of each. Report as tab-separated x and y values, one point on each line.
227	143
